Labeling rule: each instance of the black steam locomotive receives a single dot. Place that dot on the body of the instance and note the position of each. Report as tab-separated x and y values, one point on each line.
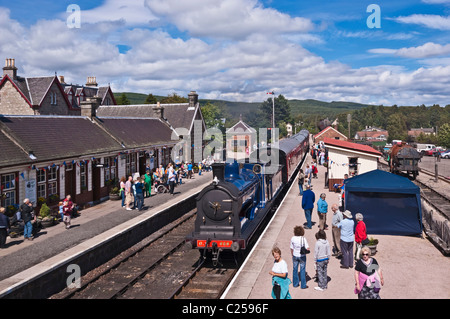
231	209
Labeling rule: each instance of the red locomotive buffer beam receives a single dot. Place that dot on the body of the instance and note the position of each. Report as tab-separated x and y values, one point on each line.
220	243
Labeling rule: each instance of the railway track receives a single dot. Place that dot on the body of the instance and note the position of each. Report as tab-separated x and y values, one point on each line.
159	267
123	273
435	214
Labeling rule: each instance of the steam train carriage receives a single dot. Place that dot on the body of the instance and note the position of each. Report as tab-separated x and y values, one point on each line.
231	209
404	159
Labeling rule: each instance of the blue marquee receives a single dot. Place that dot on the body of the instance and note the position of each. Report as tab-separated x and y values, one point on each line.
389	203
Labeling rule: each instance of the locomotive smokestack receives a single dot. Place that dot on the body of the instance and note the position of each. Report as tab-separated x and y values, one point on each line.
219	171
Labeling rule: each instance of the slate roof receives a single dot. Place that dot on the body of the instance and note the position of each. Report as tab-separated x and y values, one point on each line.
51	138
179	115
56	137
38	88
11	154
138	132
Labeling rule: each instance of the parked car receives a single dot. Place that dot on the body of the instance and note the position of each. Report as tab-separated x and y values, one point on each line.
445	154
423	148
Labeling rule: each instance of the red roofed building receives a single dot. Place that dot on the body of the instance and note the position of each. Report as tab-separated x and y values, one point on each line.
348	158
372	134
329	132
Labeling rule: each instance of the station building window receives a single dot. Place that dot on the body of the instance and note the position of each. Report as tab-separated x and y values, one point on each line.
83	175
8	189
47	182
130	164
109	165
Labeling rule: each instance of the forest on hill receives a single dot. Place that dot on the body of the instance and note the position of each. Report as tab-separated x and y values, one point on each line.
310	114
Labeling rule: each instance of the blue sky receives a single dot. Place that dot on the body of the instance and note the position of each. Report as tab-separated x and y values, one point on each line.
240	49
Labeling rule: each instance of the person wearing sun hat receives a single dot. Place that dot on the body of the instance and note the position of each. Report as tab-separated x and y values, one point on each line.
347	238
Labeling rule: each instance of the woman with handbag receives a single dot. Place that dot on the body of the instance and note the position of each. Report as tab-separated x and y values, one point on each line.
279	273
299	249
360	235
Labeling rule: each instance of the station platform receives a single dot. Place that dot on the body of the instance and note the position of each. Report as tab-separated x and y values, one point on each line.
22	260
412	267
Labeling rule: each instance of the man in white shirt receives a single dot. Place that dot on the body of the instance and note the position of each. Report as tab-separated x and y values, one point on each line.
172	177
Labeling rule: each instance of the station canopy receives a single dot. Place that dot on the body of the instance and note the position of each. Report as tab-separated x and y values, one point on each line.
389	203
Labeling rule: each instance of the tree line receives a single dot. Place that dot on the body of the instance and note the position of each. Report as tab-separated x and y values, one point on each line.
397	120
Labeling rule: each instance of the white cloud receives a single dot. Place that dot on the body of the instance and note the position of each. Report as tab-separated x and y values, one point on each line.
427	50
230	19
436	1
428	20
131	13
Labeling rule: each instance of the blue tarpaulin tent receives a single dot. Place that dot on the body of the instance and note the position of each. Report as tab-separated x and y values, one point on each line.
389	203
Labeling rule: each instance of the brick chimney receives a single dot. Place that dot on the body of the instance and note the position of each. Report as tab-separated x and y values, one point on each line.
61	79
193	98
10	69
158	110
90	106
91	81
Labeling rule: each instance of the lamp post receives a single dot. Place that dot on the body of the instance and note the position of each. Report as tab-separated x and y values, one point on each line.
273	108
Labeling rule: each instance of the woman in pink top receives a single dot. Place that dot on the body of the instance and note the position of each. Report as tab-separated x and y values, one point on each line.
368	276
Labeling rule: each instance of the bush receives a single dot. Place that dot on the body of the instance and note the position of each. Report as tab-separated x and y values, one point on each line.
45	211
114	190
372	241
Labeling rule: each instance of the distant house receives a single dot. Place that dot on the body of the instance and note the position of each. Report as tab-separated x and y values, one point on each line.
289	129
348	158
329	132
372	134
240	140
415	132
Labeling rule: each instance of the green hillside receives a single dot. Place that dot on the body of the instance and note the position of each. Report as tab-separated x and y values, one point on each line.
305	108
329	109
135	98
298	107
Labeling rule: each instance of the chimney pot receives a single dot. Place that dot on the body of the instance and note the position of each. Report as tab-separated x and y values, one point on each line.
10	69
91	81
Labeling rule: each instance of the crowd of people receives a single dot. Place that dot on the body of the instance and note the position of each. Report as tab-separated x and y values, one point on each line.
349	242
162	179
133	192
